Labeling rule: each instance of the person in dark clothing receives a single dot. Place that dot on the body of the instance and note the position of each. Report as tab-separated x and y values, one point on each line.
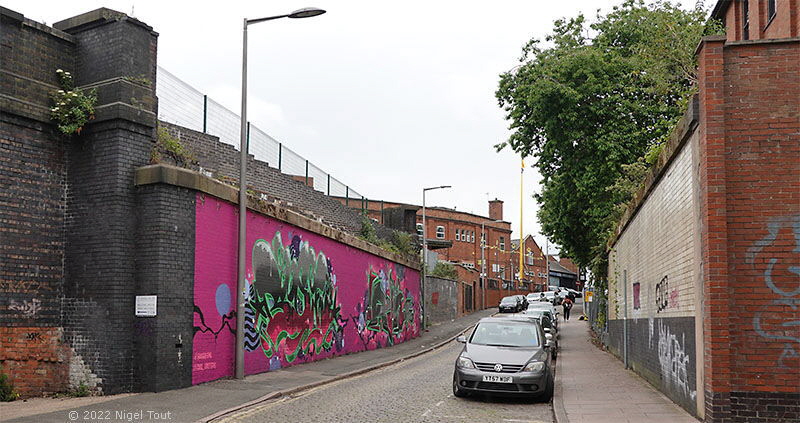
567	304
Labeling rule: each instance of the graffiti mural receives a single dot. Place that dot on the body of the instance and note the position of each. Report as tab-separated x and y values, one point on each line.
292	302
778	320
306	296
387	311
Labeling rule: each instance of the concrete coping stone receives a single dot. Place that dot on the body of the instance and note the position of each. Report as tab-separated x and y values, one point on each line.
186	178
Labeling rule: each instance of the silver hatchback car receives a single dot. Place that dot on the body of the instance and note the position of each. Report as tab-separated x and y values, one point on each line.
505	356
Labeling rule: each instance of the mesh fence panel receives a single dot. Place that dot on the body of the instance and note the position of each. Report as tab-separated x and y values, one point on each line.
223	123
263	146
180	104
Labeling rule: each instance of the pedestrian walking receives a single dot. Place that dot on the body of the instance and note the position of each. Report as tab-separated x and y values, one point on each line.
567	304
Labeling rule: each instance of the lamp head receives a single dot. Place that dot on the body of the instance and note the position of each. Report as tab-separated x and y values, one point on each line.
306	12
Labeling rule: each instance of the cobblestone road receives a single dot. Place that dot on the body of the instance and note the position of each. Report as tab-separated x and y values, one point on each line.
418	390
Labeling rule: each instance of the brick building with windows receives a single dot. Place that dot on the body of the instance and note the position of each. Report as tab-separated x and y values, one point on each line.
456	237
535	272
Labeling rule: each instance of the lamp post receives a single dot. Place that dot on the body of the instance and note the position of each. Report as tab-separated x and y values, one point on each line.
483	262
425	250
240	285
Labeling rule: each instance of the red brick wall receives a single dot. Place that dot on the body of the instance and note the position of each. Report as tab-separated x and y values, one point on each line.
749	176
35	360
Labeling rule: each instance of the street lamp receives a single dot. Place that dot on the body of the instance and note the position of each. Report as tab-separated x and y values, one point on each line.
240	285
425	250
483	261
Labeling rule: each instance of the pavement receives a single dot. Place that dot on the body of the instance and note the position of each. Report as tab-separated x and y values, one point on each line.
213	400
593	386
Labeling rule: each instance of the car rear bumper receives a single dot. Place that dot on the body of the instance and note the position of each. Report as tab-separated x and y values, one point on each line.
471	380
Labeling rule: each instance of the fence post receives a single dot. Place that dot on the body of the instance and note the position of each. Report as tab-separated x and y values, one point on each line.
306	172
347	196
205	113
382	222
329	184
280	155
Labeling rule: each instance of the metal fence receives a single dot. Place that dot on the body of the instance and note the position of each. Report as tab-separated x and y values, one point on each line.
180	104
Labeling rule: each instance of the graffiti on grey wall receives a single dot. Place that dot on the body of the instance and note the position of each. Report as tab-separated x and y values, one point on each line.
776	320
674	361
26	308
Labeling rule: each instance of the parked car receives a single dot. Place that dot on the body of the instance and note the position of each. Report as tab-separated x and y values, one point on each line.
545	319
510	304
542	305
505	356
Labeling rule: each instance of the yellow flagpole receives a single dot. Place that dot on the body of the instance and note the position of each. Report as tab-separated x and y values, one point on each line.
521	234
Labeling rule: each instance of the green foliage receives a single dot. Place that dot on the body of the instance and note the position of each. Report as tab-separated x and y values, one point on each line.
171	146
589	109
72	107
81	391
444	270
399	242
7	392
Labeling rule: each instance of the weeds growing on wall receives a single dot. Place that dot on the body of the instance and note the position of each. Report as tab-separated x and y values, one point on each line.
399	242
445	270
170	146
72	107
7	392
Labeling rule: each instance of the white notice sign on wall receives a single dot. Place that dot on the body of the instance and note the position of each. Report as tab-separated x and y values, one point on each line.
146	305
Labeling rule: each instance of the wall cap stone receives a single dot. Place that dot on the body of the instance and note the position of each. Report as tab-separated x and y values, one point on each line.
96	18
680	134
186	178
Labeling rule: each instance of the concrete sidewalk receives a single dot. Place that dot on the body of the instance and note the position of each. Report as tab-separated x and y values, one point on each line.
594	386
200	402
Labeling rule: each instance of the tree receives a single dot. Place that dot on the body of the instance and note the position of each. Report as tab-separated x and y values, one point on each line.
587	109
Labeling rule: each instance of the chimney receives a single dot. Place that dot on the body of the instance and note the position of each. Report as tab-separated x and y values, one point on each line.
496	209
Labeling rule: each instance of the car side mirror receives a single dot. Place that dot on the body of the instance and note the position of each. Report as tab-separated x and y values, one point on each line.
462	339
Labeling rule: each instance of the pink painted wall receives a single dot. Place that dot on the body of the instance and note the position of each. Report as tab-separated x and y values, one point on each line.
309	297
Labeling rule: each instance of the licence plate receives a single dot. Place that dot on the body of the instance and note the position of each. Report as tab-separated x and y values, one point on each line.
498	379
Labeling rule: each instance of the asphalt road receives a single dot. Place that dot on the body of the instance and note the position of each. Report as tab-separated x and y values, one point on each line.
418	390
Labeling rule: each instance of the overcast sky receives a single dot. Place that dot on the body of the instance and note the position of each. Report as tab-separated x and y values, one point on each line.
388	97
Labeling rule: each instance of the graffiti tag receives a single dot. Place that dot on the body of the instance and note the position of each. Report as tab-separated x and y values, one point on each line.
662	299
674	360
774	321
26	308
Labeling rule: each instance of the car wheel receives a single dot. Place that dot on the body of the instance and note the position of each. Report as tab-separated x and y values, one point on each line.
547	395
457	391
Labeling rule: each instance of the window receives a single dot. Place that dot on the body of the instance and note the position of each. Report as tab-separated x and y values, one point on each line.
770	10
502	243
529	259
419	229
458	234
440	232
472	236
746	20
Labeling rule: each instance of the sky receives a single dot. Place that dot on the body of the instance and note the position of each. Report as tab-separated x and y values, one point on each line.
388	97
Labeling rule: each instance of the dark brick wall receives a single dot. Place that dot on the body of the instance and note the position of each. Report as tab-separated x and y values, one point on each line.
222	160
662	351
165	243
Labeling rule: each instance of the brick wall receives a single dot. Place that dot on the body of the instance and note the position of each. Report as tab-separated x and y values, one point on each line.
652	277
222	160
760	193
165	241
739	243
